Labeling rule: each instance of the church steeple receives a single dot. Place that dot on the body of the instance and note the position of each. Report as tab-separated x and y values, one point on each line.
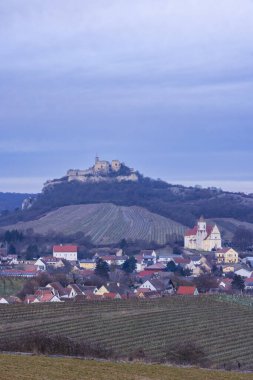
201	224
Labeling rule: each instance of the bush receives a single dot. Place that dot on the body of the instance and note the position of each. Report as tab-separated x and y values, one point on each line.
138	354
187	353
44	344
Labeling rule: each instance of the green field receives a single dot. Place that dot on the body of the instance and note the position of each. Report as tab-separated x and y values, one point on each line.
10	286
106	223
44	368
223	328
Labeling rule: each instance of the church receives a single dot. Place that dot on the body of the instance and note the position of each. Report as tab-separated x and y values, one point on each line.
203	237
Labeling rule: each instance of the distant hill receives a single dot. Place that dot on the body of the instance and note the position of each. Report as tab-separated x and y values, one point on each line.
109	183
106	224
11	201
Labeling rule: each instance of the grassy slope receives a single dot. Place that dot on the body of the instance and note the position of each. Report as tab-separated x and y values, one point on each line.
10	286
223	328
44	368
106	223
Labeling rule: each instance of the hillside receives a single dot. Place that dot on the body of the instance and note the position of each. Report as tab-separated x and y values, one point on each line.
181	204
106	223
10	201
220	326
15	367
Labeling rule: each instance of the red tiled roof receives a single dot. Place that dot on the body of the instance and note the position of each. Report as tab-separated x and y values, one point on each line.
181	260
46	297
145	273
223	250
193	231
65	248
186	290
110	295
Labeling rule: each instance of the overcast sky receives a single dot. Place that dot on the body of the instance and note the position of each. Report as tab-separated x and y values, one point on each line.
164	85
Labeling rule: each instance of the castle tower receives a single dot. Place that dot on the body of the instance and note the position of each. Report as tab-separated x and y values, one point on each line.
96	159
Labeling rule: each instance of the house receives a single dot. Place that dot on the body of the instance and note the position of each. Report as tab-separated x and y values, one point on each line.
112	296
248	283
149	256
3	300
67	252
31	298
153	285
18	273
226	255
57	289
89	264
113	288
45	295
181	260
248	261
227	268
244	273
89	289
46	261
203	237
114	260
74	290
225	284
156	267
187	291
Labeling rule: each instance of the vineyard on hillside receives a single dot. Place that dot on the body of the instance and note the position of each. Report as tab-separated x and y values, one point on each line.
107	223
222	327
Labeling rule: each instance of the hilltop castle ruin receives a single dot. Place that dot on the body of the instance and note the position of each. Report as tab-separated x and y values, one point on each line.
101	171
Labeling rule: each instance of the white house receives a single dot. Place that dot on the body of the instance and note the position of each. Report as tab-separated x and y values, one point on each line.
67	252
203	237
243	273
3	300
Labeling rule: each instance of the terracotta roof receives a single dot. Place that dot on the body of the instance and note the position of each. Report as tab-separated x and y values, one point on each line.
110	295
223	250
193	231
145	273
181	260
46	297
157	266
65	248
186	290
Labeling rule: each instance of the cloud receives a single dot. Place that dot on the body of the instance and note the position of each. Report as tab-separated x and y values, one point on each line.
157	84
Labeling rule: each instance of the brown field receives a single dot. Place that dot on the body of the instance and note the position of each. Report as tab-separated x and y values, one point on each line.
47	368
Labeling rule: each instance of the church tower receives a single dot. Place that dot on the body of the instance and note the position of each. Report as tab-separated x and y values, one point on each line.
201	233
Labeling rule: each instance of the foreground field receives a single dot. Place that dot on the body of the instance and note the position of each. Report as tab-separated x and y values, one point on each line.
224	329
44	368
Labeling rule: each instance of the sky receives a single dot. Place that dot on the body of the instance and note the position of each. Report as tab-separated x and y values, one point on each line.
165	86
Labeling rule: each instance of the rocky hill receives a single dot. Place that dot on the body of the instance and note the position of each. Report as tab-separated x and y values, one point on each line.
178	204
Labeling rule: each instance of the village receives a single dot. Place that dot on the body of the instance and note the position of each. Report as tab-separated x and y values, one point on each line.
202	266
